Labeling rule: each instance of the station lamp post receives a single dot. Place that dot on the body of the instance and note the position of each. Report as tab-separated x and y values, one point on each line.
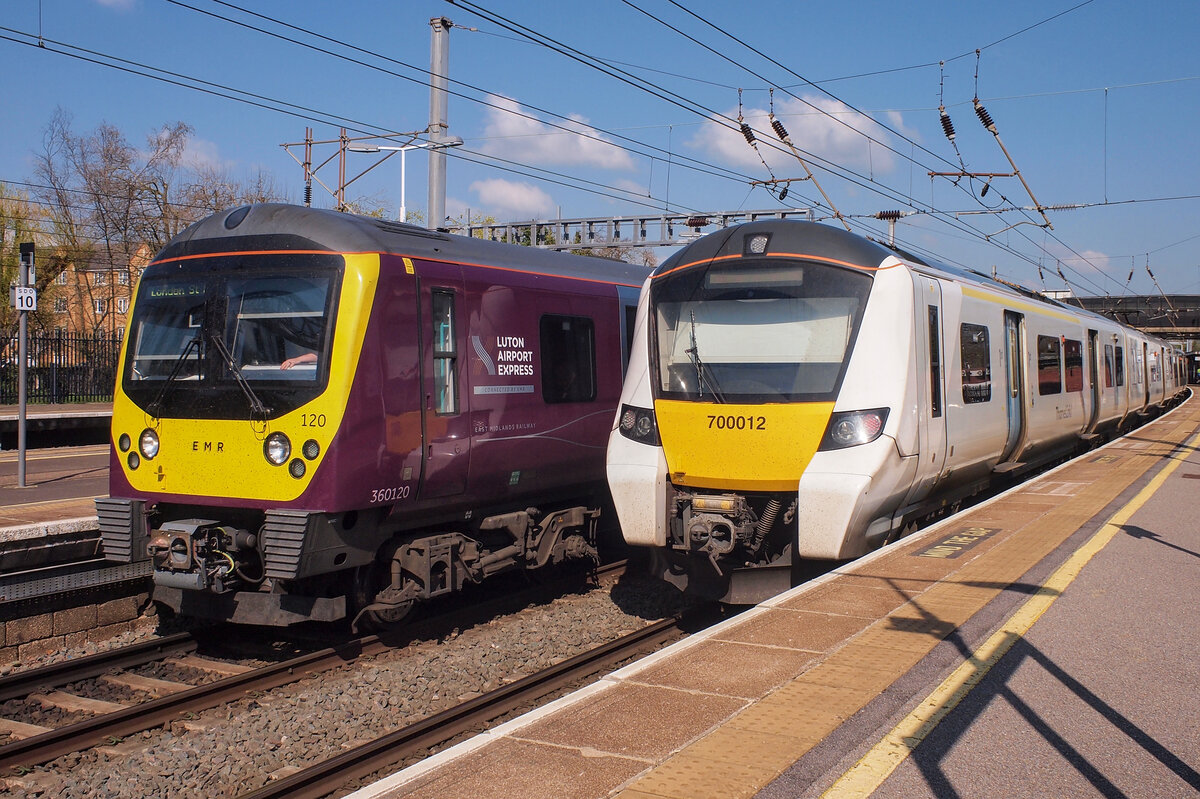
455	141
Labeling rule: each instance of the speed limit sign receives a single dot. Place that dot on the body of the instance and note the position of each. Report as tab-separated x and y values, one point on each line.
24	298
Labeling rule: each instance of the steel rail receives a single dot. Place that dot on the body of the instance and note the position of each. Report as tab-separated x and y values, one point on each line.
327	776
42	748
23	683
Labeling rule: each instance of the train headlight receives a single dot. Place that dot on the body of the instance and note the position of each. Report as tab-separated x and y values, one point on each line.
148	444
638	424
851	428
277	449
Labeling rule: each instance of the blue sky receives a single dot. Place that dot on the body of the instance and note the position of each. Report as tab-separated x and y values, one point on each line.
1096	102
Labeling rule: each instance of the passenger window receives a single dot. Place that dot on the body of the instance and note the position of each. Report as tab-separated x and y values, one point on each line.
1073	359
1049	365
1108	366
445	354
976	364
1120	366
568	359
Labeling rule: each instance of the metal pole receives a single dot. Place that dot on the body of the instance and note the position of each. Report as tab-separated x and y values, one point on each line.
439	66
403	209
26	266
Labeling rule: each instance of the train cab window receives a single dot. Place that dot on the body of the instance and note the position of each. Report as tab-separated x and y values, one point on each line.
1120	366
277	326
976	364
1049	365
568	359
1108	366
1073	361
445	354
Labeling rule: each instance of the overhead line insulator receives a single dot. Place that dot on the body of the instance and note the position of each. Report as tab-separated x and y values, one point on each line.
779	129
749	134
947	125
984	116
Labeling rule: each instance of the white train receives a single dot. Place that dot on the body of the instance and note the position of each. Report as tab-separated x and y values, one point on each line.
797	392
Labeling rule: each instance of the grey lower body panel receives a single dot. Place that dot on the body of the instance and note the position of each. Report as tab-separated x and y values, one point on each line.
249	607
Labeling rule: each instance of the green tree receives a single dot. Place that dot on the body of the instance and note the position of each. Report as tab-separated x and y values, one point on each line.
22	221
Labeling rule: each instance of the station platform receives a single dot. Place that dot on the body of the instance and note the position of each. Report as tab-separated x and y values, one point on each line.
58	424
1039	644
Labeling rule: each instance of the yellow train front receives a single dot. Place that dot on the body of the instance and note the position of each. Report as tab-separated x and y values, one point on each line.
319	414
797	393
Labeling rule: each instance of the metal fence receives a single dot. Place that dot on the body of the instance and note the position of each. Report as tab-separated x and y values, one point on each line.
63	367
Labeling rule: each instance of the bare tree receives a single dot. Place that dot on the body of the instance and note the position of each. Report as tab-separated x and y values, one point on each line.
109	201
113	205
214	189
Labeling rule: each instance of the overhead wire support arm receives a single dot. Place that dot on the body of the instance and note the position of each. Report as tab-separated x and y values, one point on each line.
986	119
782	133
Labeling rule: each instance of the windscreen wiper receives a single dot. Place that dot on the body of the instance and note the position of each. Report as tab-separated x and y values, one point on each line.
703	376
156	406
257	408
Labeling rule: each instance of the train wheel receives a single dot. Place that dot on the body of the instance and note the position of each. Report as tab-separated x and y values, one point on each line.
375	599
389	618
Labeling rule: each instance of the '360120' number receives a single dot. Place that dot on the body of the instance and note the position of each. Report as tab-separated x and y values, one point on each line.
730	422
390	494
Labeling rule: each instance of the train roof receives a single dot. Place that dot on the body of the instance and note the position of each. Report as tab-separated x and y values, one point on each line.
276	226
787	236
800	238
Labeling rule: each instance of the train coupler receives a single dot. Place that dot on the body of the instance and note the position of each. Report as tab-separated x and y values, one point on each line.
203	555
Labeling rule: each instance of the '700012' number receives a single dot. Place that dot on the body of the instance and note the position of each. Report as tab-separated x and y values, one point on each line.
720	422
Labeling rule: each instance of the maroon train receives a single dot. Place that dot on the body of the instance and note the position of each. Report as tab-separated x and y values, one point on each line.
320	416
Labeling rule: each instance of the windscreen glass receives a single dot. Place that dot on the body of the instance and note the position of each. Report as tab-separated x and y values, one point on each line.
756	331
213	336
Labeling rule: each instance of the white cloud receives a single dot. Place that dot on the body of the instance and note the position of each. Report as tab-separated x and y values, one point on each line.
511	200
632	187
511	132
831	130
200	153
118	5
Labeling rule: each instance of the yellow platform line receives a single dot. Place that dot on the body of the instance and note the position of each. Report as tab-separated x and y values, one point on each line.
877	764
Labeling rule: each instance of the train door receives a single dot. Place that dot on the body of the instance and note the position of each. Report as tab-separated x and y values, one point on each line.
1144	370
1093	356
1014	349
445	421
932	426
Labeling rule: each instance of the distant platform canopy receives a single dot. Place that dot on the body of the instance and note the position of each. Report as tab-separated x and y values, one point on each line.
1171	316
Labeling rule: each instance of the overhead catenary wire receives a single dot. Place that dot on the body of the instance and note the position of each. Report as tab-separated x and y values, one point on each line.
222	2
668	156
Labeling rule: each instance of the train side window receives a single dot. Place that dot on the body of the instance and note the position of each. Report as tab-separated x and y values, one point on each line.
1073	360
976	364
1049	365
1120	366
445	354
1108	366
935	365
568	359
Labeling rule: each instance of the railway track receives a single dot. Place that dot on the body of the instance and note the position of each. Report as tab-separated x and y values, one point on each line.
359	763
114	721
172	700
